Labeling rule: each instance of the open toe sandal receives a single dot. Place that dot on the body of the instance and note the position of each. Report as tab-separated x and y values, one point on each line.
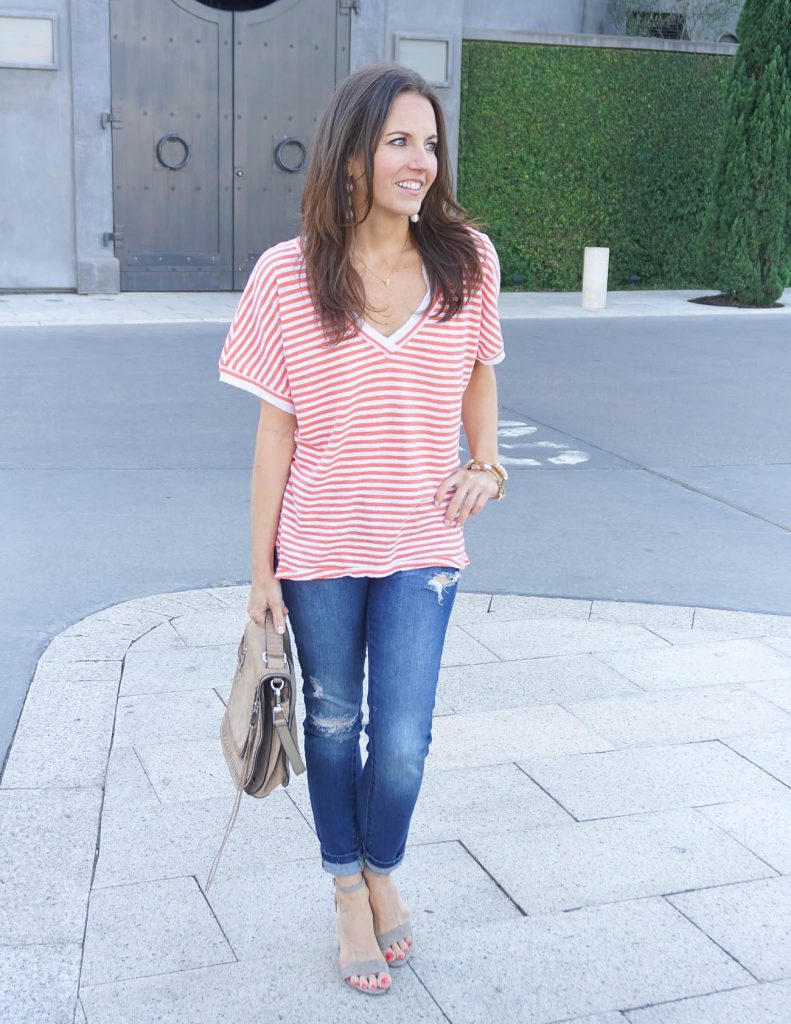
388	938
361	967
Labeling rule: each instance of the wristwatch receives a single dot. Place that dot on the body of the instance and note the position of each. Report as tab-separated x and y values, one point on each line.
500	474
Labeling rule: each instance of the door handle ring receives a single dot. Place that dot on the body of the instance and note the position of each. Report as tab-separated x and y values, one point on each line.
173	137
291	140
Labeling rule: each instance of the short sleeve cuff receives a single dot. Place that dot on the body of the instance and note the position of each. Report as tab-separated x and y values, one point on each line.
493	360
228	377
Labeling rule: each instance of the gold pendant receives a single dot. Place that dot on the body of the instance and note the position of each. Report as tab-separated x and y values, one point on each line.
387	282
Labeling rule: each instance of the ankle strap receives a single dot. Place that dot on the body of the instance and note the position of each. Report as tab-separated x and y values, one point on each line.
348	888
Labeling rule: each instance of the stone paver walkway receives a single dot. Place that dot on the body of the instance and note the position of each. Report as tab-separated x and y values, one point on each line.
603	833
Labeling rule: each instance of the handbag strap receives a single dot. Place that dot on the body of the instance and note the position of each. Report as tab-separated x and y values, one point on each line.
231	820
275	645
290	747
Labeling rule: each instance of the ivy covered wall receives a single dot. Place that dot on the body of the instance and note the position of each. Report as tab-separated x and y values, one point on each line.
563	147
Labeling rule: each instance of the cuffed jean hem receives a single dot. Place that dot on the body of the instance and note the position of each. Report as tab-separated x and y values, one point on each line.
340	870
380	869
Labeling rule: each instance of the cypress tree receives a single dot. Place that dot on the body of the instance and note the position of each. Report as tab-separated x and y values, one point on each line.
746	238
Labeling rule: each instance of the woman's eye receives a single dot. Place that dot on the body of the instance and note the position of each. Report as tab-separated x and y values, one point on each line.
400	141
431	147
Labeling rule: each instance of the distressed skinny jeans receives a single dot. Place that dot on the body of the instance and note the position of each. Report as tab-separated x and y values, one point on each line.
362	811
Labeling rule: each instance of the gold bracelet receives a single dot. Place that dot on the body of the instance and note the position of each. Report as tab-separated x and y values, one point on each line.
499	473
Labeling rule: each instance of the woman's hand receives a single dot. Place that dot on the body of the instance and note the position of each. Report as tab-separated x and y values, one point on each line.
267	594
473	488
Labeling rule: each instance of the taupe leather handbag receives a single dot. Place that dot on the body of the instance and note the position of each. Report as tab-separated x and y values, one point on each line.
259	727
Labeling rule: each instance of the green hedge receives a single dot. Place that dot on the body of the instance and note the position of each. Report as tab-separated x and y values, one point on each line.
563	147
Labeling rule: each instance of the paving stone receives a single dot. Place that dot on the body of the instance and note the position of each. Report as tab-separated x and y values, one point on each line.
441	885
48	837
181	602
189	668
128	613
207	995
732	661
187	770
162	636
515	606
751	921
654	616
147	718
543	638
58	671
529	682
593	960
716	618
753	1004
467	802
598	1018
150	928
461	649
778	691
236	596
85	648
211	628
692	637
469	608
63	736
79	1013
54	913
778	643
143	842
679	716
98	630
126	780
38	984
613	859
633	780
771	752
489	737
232	993
761	825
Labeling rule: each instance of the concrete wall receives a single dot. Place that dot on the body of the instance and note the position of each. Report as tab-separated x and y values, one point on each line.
516	16
37	211
373	39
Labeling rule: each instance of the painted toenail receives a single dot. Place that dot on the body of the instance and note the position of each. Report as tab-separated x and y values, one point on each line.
389	956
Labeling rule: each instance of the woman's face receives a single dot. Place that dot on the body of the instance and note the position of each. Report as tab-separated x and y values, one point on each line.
405	162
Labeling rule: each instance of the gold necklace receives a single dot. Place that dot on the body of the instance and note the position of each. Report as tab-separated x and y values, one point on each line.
385	280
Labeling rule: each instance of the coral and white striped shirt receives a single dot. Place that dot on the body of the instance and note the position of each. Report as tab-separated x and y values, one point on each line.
378	419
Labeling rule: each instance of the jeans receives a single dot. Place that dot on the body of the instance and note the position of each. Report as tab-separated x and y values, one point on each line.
362	812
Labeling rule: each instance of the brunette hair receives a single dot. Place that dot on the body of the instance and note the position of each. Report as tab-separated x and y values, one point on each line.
352	125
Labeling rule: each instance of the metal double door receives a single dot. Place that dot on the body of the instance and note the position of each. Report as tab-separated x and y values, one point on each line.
213	115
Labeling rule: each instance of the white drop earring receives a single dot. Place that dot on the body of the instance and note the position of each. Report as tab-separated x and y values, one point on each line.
414	217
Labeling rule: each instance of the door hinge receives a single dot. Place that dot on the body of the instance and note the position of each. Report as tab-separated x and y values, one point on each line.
345	6
113	236
113	119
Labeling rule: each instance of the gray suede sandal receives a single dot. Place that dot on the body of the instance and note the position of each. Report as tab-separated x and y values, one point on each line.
401	931
361	967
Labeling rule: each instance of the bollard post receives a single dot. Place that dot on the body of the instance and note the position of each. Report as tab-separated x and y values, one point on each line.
595	268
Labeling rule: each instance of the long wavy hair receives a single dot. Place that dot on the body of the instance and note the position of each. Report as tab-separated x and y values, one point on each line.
351	126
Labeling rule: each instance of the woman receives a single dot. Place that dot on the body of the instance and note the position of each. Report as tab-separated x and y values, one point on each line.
368	340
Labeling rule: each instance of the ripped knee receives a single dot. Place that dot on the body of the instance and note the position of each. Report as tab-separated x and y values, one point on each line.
332	726
442	581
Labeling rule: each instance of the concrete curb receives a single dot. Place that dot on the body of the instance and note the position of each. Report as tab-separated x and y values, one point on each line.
71	310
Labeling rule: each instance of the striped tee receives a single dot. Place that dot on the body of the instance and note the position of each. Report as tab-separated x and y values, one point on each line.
377	419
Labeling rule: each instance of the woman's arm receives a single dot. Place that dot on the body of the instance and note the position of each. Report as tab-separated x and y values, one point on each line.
479	413
479	416
274	450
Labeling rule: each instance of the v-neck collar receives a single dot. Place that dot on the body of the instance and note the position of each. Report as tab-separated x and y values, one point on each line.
393	342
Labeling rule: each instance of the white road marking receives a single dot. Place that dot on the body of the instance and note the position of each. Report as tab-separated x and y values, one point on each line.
569	458
508	461
520	431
